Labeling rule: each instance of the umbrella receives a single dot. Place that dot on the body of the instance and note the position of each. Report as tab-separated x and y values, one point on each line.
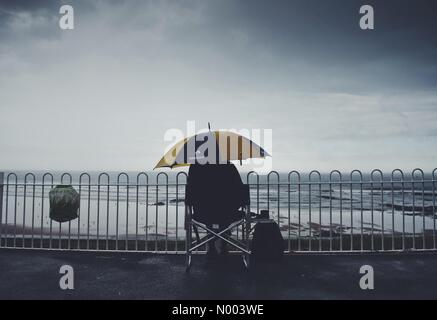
213	147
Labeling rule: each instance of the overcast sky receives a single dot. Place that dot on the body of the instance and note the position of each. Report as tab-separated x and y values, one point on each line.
101	96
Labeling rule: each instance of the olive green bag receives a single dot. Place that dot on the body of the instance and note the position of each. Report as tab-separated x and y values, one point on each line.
64	203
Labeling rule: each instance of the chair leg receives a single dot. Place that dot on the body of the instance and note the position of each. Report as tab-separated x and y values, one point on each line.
246	227
246	261
188	247
188	262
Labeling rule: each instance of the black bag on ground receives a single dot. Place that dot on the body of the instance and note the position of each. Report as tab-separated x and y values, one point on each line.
267	242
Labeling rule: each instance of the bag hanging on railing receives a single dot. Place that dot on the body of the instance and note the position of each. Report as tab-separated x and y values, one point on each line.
267	242
64	203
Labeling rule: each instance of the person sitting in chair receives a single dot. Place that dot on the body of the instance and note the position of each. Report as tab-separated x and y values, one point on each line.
215	192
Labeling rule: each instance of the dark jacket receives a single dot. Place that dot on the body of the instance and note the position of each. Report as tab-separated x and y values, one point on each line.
215	192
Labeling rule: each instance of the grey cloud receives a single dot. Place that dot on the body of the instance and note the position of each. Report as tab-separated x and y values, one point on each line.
132	69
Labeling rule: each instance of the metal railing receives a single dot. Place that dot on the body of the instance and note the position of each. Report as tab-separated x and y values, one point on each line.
332	212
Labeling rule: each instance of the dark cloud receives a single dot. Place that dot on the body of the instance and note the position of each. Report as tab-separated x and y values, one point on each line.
326	34
48	8
28	5
323	36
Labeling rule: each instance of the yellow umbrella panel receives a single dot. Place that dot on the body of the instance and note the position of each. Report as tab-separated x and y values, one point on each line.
213	147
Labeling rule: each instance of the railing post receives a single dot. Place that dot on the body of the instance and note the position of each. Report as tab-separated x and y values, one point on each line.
2	175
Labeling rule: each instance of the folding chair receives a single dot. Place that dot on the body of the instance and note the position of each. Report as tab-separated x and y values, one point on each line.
212	234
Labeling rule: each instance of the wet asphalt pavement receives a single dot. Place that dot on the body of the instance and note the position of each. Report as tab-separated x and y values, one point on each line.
35	275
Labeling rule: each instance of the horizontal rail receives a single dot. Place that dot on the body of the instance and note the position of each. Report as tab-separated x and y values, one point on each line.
261	184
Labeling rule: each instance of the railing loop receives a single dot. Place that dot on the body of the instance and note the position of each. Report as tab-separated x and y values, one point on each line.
397	171
317	173
293	173
45	175
252	173
87	175
270	173
381	175
181	174
99	178
66	175
123	174
359	173
8	177
413	174
162	174
29	175
142	174
331	174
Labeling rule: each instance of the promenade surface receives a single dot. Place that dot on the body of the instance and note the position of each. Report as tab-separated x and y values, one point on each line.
26	274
